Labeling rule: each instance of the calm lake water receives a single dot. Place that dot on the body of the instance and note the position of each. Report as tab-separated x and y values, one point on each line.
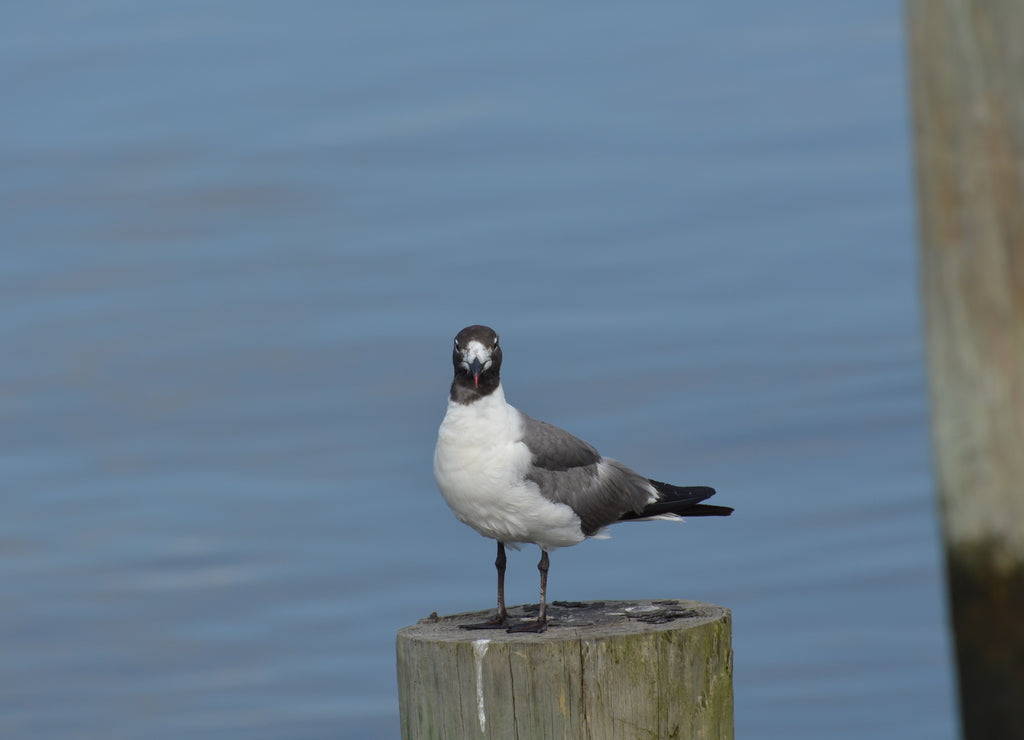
237	240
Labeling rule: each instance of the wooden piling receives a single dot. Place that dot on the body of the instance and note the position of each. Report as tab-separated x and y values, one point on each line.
616	669
967	84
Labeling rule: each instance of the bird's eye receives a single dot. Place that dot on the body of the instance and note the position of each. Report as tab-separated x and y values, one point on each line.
456	344
495	342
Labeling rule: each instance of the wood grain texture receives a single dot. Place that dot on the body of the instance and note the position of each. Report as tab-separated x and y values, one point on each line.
636	669
967	85
967	70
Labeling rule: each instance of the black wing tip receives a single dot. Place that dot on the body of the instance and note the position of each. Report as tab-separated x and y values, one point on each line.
708	510
681	500
670	492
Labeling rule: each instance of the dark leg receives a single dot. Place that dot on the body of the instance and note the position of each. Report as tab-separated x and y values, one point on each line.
542	566
501	618
499	564
542	617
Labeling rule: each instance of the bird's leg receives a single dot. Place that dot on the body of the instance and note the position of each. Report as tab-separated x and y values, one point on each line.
499	564
542	566
501	618
542	616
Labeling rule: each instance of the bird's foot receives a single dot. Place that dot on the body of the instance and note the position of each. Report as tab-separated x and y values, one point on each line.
499	622
536	626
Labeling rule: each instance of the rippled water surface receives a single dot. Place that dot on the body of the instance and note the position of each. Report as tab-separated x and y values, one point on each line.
237	239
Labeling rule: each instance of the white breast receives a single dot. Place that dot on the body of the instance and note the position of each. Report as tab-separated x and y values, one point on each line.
480	464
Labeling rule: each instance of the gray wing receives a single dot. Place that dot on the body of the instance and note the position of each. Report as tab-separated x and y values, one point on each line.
569	471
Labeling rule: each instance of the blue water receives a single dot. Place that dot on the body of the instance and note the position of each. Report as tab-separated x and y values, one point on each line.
237	239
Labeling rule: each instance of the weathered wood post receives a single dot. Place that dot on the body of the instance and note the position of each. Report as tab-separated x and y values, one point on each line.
967	72
616	670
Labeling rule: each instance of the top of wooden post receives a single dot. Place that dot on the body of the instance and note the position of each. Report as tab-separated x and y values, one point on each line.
574	619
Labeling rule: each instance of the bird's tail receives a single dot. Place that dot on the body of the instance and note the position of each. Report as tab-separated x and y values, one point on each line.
680	500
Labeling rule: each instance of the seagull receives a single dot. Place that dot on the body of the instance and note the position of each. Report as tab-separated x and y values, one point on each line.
518	480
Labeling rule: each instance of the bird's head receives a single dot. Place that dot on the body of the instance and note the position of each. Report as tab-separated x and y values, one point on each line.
476	354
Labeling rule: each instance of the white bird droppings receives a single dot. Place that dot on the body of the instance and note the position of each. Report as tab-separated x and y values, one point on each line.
479	651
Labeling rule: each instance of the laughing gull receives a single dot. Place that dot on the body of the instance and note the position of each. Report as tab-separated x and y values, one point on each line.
518	480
